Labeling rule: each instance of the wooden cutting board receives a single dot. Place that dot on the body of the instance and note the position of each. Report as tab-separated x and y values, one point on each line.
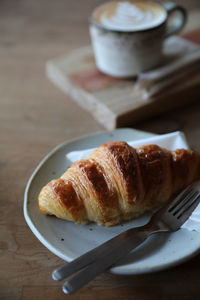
114	102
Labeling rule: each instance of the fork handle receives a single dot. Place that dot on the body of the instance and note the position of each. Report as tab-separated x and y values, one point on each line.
103	257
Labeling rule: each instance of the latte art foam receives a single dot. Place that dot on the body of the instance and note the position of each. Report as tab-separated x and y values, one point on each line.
129	15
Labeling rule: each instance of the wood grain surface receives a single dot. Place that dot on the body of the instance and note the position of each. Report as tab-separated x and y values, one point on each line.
35	117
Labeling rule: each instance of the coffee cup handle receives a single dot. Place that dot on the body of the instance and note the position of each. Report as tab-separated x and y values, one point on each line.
177	21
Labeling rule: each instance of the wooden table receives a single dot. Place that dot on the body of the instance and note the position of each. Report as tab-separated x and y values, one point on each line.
35	117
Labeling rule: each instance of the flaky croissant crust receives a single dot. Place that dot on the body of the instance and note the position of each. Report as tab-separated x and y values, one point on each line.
119	182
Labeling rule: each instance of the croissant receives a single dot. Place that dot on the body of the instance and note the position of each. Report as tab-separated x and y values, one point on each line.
118	183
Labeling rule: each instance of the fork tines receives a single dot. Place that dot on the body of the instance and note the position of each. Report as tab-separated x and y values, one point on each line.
185	202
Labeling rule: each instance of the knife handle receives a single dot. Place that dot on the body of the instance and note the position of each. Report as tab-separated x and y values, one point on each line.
101	258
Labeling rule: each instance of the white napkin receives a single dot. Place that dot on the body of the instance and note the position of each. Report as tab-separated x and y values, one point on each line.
169	141
182	63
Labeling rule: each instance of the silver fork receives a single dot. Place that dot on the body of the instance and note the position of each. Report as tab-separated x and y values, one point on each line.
169	218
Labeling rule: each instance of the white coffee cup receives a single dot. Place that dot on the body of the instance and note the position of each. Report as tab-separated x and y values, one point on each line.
127	36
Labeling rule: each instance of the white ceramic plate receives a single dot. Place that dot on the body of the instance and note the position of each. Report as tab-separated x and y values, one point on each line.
68	240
